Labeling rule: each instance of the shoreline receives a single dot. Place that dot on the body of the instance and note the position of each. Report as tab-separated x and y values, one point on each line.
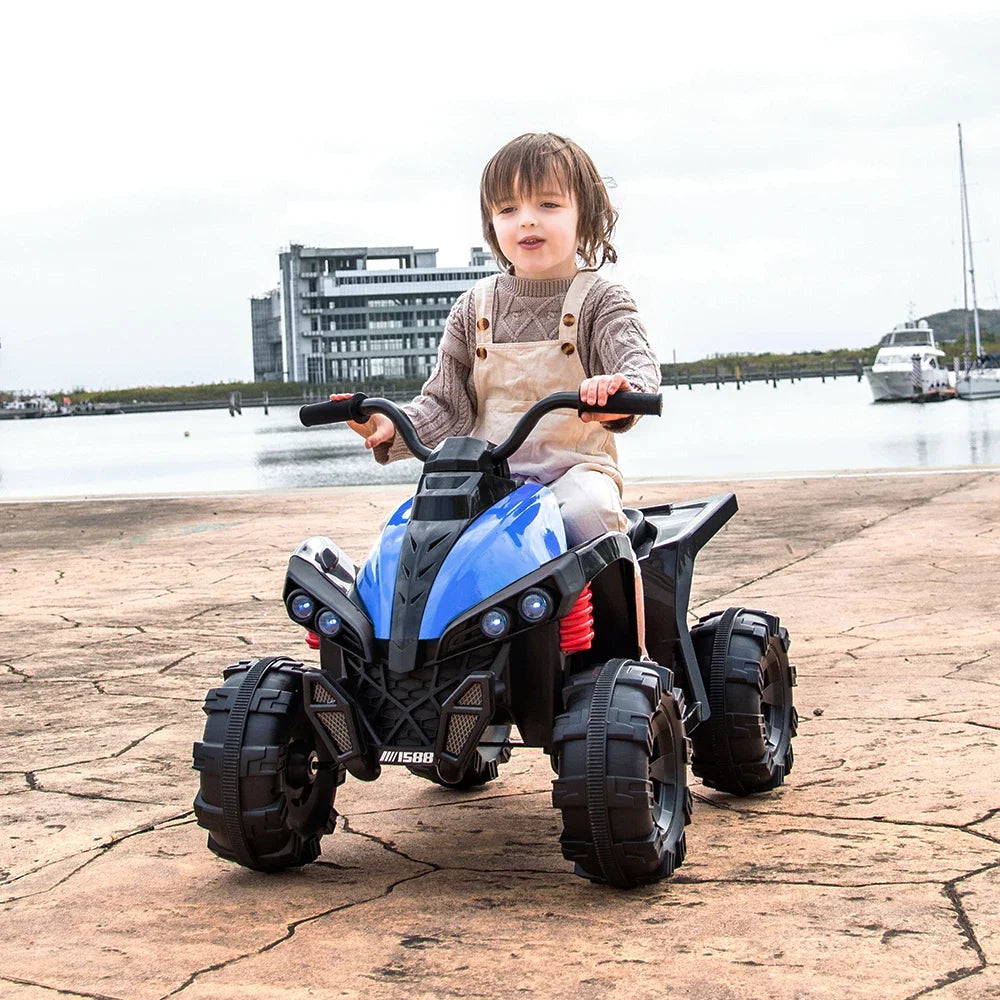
410	486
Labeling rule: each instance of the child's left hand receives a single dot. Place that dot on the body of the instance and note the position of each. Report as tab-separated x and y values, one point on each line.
597	389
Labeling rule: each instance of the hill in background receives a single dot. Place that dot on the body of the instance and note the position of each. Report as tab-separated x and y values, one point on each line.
950	326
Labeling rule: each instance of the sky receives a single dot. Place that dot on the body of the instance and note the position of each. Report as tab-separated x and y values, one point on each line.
786	174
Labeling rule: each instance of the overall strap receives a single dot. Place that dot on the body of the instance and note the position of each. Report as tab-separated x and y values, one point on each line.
569	323
484	291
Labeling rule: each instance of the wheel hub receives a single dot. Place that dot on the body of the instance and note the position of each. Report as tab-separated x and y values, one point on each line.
303	768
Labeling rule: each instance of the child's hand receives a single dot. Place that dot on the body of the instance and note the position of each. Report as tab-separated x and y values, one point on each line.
377	429
597	389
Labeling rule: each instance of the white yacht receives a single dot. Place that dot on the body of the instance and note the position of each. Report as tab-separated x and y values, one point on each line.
908	366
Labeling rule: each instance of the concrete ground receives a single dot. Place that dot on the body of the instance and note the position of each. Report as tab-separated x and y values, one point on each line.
874	872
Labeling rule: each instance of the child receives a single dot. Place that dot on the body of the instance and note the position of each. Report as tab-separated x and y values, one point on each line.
547	323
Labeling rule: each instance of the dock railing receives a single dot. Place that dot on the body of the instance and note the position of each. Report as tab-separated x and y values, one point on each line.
678	375
672	375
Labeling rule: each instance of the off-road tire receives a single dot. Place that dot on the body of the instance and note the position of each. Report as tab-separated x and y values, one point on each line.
622	765
483	766
267	785
745	746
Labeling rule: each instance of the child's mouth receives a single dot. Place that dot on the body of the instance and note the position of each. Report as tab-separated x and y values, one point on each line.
532	241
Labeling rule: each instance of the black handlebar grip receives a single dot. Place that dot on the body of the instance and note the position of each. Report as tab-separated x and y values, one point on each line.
334	411
649	403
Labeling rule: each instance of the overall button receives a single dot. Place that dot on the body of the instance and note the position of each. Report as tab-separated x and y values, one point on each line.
568	320
567	349
482	323
481	351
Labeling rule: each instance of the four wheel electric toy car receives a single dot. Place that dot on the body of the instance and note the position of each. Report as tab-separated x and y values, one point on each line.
472	618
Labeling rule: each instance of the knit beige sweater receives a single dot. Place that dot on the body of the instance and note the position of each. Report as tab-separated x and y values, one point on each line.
610	339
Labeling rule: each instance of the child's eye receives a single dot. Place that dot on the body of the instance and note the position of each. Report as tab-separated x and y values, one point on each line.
550	204
506	210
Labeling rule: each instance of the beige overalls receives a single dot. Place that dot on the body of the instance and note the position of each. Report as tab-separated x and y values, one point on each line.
576	460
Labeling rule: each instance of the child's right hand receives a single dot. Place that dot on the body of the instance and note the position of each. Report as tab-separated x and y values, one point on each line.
377	429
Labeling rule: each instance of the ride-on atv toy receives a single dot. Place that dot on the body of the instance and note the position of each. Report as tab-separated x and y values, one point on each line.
471	617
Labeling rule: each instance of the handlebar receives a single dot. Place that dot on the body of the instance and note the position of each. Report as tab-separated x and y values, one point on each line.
621	402
360	407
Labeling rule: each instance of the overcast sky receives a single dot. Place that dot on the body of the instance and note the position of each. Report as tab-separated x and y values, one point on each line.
787	174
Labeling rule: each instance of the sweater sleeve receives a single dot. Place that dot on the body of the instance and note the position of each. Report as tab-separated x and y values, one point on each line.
619	343
446	406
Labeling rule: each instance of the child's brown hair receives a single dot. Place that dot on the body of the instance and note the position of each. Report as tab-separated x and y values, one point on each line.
528	164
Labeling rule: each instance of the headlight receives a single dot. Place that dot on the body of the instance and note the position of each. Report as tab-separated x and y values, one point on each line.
494	623
535	605
301	606
328	623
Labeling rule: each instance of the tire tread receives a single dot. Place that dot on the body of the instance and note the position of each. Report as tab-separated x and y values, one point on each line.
249	756
732	751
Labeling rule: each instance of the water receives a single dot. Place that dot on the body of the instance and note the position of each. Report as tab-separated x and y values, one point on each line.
704	433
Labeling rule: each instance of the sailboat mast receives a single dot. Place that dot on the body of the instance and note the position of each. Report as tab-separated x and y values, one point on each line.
965	272
968	236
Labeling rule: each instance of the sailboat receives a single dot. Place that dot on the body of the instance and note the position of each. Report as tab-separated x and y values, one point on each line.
981	378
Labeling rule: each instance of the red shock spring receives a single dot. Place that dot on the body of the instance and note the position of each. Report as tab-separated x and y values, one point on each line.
576	630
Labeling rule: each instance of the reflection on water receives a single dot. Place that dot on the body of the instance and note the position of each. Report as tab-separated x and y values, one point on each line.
806	427
703	433
981	444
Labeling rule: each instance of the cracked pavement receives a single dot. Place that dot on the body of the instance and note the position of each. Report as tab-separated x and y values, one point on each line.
873	872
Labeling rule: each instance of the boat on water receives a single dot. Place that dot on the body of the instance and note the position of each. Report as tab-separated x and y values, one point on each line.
26	409
981	379
908	366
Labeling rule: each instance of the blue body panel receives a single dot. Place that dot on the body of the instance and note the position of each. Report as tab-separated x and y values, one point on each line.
506	542
377	579
511	539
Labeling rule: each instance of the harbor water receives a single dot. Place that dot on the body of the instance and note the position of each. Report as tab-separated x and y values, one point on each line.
705	433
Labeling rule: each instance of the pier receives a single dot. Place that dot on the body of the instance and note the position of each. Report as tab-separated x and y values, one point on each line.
673	376
679	375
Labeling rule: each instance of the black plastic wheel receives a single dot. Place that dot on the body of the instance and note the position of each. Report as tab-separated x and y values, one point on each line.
484	765
267	785
745	746
622	764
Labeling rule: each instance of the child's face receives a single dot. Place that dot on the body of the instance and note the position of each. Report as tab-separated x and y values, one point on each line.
537	233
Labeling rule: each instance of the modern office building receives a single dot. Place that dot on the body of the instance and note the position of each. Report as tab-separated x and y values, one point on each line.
265	323
357	314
